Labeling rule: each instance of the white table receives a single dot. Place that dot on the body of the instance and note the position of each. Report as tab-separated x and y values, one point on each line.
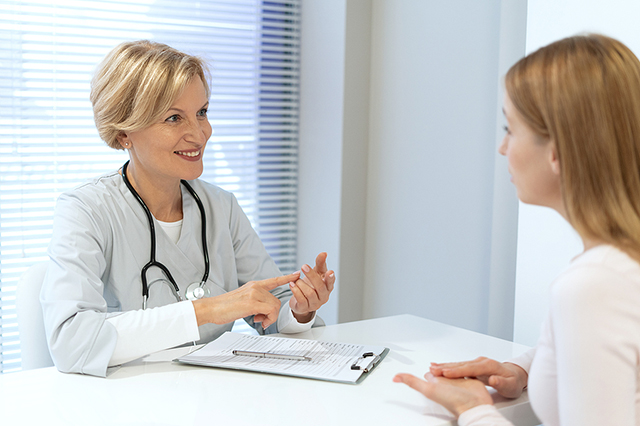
155	391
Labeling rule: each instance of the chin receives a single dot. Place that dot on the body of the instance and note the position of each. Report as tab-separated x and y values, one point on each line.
193	173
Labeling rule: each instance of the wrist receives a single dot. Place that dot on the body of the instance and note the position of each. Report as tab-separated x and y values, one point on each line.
203	311
522	377
303	318
469	405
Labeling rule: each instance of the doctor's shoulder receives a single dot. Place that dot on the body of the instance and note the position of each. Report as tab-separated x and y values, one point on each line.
99	196
218	199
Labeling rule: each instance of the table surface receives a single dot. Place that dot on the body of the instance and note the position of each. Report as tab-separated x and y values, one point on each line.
156	391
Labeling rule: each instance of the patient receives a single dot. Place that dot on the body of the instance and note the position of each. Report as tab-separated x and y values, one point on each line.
572	144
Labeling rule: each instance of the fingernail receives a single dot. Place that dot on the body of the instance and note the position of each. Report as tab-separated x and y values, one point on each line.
331	275
292	284
306	268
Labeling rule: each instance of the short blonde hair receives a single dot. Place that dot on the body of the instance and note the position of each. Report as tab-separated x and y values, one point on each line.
583	93
136	83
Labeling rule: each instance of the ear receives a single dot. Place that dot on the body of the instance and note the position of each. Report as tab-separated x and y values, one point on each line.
554	161
124	140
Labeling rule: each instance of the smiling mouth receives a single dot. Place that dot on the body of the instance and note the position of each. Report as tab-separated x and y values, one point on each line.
188	154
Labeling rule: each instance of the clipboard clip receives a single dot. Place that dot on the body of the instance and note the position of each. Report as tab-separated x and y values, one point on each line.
365	364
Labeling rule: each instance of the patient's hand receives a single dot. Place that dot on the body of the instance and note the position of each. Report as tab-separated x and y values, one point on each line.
506	378
456	395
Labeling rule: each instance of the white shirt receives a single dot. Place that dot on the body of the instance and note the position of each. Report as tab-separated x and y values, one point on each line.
586	365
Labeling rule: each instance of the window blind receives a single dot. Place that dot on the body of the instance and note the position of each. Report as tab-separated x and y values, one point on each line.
49	144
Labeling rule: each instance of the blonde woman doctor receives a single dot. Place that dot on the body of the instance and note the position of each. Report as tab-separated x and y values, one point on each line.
149	257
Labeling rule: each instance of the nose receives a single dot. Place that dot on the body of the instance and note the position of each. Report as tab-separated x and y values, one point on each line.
198	131
504	145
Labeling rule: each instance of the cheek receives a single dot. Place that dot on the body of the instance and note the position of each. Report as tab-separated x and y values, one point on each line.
514	158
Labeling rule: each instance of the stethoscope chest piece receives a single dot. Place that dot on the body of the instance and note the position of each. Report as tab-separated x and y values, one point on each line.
196	291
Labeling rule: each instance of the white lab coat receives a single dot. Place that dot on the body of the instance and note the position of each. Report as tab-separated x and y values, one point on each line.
100	243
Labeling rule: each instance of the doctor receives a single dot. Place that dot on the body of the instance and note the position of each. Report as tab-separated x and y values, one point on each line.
149	257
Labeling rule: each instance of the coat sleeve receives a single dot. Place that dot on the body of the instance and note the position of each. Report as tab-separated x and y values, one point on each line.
74	309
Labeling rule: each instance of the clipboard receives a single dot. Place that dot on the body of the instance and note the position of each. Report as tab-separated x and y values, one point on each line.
309	359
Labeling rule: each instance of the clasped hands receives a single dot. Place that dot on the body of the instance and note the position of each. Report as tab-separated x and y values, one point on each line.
460	386
310	292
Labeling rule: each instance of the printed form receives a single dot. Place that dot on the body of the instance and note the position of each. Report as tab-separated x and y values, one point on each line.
323	360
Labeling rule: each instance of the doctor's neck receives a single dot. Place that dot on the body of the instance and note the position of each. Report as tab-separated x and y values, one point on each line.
163	197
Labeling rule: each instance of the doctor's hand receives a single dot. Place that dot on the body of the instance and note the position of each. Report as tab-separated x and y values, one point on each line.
253	298
506	378
456	395
311	291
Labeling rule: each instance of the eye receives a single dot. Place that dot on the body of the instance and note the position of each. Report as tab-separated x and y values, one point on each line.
506	129
202	112
173	119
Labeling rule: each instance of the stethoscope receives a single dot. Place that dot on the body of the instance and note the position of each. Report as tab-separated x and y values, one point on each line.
194	290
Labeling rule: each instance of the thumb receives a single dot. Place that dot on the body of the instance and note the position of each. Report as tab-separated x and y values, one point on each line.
414	383
321	263
495	382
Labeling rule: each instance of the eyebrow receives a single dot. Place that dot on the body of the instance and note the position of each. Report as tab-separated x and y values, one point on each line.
206	104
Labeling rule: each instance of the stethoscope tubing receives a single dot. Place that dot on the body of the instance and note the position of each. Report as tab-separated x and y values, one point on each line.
152	230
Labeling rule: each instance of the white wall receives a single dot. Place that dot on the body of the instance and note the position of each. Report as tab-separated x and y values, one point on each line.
502	272
334	114
430	189
546	243
399	176
321	119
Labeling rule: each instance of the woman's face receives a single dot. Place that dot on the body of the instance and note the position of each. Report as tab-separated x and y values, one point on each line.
172	148
532	159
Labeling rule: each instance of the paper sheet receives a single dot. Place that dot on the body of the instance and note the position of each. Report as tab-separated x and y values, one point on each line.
329	361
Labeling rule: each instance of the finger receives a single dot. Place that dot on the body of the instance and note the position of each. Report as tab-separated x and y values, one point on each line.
315	281
321	263
271	283
478	367
506	386
413	382
307	291
267	311
259	318
308	272
300	298
330	280
450	364
436	368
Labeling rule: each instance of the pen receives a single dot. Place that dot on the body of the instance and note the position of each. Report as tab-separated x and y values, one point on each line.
271	355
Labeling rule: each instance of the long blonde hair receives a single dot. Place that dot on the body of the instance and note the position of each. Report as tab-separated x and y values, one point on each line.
136	83
583	93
